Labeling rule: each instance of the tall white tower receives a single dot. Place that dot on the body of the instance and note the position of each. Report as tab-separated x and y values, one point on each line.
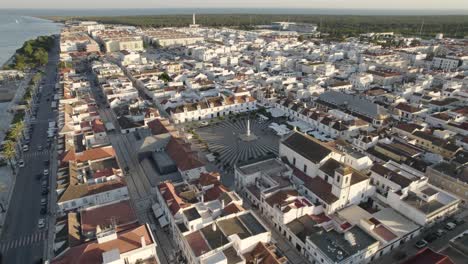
194	22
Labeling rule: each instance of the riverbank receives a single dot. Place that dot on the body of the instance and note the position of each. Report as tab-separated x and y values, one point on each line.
16	27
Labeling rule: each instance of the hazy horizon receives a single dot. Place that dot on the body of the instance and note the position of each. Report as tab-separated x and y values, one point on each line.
290	4
182	11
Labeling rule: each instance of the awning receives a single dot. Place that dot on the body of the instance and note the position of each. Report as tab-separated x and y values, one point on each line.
157	210
163	221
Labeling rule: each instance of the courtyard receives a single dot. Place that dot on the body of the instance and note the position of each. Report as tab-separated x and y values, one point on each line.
222	138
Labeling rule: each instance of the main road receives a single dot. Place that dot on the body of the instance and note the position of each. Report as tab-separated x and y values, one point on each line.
22	241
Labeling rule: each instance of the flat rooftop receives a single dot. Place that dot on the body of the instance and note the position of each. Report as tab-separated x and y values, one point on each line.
423	206
269	166
337	247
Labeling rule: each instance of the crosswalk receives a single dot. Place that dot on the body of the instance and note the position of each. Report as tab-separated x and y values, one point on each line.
23	241
31	154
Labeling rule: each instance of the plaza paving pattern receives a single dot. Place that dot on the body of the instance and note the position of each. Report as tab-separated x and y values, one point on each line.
223	138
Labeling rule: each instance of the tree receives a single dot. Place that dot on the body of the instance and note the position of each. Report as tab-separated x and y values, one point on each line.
20	62
28	49
16	131
41	56
9	152
165	77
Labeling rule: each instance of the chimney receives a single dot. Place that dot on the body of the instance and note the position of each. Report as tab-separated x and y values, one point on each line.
222	204
143	241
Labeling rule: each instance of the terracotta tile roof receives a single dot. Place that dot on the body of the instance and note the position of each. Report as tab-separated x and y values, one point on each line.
279	198
197	243
232	208
120	213
209	178
157	127
174	202
320	218
90	154
384	233
317	185
83	190
183	156
215	193
98	126
91	252
427	256
264	254
307	147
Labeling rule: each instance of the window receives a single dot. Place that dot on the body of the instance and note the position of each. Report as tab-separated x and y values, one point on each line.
305	168
294	161
346	179
338	178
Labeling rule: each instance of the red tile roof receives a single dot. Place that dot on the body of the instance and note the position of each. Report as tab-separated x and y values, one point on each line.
197	243
427	256
384	233
214	193
173	201
182	154
209	178
120	213
98	126
317	185
91	252
90	154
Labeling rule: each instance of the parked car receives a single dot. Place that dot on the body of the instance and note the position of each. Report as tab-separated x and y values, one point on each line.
459	221
203	123
25	148
450	226
41	223
46	172
431	237
421	243
440	232
43	201
21	163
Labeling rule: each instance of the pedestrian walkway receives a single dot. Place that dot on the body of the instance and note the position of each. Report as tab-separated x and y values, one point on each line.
23	241
31	154
231	149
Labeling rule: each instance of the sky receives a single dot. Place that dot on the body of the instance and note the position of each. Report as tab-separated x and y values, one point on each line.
333	4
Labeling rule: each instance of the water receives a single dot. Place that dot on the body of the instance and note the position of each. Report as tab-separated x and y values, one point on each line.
15	29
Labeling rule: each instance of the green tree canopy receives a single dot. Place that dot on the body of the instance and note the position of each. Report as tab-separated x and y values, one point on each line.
28	49
41	56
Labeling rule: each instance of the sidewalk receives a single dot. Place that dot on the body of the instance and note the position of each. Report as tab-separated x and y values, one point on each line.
7	183
7	179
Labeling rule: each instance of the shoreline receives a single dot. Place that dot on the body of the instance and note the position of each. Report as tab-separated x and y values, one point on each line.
10	58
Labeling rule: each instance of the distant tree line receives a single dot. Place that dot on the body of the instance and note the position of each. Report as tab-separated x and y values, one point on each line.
334	25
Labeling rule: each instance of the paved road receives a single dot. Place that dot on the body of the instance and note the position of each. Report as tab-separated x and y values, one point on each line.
21	240
137	177
409	247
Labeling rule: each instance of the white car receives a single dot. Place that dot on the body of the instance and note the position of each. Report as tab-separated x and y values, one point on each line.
46	172
21	163
204	123
25	148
